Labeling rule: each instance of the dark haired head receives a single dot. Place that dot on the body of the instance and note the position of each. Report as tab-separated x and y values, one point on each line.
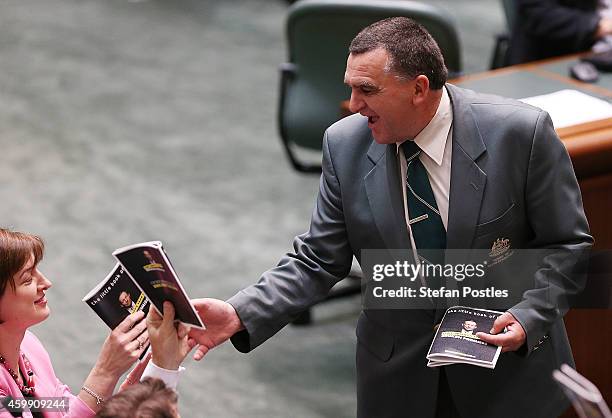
412	51
147	399
16	249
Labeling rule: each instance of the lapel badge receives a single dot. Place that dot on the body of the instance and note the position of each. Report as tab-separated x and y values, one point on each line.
500	250
500	247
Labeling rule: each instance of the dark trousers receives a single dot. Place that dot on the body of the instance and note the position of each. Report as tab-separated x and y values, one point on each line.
445	406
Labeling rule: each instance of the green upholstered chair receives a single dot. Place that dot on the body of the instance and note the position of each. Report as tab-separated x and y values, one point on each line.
499	57
318	35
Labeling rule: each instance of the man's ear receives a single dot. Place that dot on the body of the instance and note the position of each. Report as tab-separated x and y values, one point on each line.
421	88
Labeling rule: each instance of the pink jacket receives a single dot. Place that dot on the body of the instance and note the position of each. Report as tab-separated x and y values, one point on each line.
46	383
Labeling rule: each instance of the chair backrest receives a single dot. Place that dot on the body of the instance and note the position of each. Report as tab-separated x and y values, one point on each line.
511	12
318	34
500	57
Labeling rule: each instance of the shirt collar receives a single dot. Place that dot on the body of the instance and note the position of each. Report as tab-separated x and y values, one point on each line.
432	139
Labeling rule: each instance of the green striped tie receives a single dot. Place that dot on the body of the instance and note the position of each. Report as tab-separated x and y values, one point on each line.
425	220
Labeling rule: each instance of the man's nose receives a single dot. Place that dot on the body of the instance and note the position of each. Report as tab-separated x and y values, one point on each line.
356	103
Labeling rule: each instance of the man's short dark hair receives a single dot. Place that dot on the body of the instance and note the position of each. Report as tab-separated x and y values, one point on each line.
412	50
149	398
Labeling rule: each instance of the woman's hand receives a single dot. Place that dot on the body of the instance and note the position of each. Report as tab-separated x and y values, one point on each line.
169	344
121	348
124	345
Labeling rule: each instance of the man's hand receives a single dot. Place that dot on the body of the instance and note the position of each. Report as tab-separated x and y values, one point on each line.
169	344
221	322
512	339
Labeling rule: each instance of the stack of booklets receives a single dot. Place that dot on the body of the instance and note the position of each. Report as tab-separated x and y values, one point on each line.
586	398
142	277
456	341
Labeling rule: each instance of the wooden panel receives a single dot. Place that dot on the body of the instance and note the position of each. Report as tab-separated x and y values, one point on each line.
597	201
590	330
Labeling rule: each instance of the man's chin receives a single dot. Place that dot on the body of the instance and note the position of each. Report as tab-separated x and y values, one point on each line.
383	140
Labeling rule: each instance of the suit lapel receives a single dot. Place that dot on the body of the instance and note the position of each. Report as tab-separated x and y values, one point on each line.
467	179
383	188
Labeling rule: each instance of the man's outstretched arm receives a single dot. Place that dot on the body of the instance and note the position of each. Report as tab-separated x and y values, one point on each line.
320	258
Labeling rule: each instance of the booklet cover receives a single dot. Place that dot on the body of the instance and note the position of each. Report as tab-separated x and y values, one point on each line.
586	398
456	341
115	297
150	269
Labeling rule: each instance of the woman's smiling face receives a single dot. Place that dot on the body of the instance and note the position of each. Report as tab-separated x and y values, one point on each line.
26	304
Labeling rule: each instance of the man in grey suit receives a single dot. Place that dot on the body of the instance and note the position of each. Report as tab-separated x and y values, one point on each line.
497	171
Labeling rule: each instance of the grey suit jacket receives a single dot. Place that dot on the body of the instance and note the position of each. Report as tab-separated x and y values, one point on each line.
510	177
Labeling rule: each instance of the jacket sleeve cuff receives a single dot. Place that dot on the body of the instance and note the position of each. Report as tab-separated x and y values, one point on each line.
257	328
242	339
534	335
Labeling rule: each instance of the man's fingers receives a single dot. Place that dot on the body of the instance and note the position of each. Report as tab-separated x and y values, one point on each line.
509	341
191	343
201	336
201	305
500	323
200	353
516	326
499	340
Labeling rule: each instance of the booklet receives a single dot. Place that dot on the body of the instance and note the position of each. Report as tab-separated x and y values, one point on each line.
456	341
115	297
150	269
586	398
